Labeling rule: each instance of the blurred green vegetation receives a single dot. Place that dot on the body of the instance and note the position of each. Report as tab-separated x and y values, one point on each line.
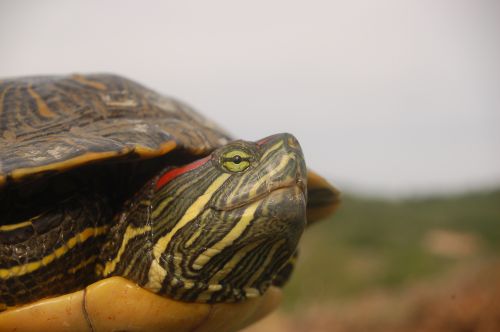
388	244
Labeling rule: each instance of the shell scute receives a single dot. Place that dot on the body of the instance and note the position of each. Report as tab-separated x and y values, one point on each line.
56	123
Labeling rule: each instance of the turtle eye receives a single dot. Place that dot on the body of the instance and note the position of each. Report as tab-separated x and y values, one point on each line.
236	160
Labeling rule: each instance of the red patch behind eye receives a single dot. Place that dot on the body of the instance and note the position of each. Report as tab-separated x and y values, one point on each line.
264	140
167	177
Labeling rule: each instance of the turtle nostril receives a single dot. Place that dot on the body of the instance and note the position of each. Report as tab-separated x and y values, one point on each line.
293	143
300	183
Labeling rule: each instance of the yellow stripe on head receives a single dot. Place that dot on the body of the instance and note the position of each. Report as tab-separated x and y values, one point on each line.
279	168
271	149
156	273
265	265
130	233
230	237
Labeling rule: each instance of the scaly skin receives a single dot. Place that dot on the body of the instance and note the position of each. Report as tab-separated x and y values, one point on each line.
231	233
205	233
220	229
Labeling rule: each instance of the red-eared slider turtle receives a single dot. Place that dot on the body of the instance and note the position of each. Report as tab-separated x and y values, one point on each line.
122	209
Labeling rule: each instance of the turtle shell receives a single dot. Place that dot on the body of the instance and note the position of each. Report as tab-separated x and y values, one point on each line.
55	123
116	304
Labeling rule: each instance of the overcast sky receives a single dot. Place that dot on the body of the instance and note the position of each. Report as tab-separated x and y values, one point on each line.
391	97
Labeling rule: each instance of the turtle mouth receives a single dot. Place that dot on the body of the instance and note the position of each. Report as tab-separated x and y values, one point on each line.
291	185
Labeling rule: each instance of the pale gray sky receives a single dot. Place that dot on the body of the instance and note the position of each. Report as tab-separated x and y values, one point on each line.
391	96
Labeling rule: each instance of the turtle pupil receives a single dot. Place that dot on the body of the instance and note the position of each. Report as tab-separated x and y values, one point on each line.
237	159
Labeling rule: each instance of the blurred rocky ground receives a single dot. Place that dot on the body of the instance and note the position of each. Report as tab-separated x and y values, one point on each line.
422	264
465	300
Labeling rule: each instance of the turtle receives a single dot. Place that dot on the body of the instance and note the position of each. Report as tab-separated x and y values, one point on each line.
124	209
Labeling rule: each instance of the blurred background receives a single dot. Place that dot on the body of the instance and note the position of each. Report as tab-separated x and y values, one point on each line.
396	102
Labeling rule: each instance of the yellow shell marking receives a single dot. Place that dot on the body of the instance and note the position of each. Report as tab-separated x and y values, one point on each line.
90	157
85	81
40	104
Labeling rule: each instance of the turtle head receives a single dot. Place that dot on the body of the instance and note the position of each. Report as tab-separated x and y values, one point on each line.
224	226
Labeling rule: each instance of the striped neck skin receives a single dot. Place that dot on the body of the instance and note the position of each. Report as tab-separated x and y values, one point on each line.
219	229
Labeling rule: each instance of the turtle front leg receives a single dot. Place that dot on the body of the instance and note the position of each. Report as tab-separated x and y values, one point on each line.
322	198
52	252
